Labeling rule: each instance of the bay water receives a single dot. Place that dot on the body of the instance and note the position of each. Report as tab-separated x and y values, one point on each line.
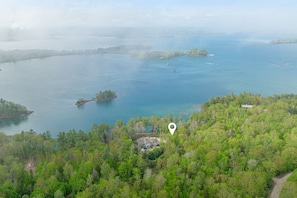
51	86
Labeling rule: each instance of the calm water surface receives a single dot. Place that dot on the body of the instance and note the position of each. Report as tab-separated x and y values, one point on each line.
51	86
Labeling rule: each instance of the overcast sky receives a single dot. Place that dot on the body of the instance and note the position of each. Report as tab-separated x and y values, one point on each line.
218	15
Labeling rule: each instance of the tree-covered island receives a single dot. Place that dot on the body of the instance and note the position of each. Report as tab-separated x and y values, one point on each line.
102	96
10	110
106	95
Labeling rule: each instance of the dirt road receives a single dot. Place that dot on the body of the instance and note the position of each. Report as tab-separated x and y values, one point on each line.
278	185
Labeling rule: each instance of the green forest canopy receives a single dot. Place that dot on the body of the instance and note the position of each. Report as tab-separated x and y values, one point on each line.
222	151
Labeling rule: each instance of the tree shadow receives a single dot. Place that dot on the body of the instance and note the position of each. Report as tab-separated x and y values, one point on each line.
12	121
105	103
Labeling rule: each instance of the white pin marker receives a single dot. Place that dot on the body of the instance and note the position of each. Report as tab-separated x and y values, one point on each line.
172	127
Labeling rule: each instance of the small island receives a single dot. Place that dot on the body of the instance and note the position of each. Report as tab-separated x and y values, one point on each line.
9	110
102	96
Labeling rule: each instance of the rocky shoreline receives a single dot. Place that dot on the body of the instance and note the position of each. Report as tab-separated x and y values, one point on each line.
11	110
21	115
83	101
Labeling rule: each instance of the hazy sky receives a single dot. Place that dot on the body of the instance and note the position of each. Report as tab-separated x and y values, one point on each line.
217	15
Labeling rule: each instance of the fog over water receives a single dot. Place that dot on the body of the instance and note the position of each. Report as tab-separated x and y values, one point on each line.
51	18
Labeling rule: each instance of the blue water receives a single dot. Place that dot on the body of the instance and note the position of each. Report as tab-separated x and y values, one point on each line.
51	86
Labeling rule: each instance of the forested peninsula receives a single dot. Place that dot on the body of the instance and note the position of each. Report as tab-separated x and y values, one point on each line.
10	110
168	54
233	147
141	51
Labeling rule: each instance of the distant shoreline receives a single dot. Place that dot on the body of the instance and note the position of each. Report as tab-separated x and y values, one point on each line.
20	55
284	41
139	51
